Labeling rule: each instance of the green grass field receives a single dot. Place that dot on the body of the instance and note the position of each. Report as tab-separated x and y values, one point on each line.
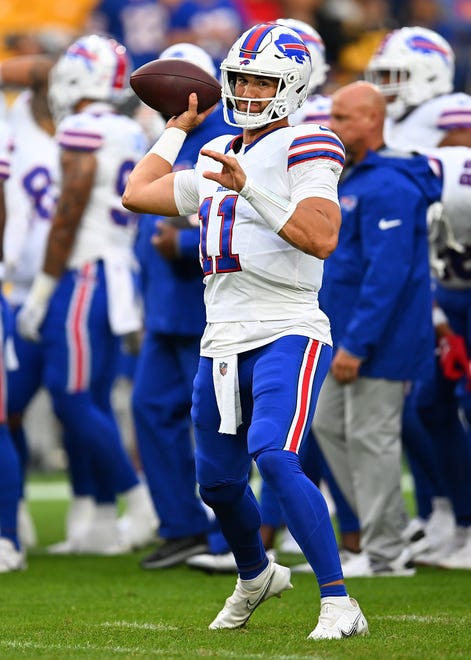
97	607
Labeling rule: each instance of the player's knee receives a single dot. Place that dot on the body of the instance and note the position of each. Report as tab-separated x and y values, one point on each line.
227	494
277	465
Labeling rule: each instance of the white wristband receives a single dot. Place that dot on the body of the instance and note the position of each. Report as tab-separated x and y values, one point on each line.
42	288
438	317
2	271
169	144
275	210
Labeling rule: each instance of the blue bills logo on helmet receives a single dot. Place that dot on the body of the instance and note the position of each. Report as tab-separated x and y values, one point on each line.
423	45
293	48
79	49
288	44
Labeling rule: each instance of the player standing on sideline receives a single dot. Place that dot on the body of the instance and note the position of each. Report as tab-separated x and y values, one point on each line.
377	295
266	348
414	69
83	300
11	553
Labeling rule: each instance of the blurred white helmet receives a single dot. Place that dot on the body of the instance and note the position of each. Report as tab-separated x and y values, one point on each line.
271	51
190	53
413	65
316	46
94	68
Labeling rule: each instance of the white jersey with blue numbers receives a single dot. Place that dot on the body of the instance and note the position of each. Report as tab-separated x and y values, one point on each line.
450	234
315	110
427	125
31	196
258	287
118	143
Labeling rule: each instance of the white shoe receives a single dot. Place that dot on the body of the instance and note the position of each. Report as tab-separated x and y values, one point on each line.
460	558
436	555
360	565
222	563
340	617
415	535
288	544
138	531
26	528
65	547
249	594
11	559
441	526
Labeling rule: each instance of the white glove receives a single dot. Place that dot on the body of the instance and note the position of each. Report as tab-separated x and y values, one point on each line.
33	311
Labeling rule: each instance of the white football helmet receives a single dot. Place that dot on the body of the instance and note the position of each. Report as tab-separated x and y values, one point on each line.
413	65
94	68
271	51
316	46
190	53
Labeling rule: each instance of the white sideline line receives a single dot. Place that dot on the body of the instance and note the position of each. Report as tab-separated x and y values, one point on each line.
145	652
136	625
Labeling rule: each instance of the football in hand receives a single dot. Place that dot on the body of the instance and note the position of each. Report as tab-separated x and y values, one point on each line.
165	85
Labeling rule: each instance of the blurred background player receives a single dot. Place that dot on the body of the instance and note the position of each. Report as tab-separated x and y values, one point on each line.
12	556
84	300
414	69
30	197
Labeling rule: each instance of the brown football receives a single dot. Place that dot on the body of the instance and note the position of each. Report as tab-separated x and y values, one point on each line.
165	85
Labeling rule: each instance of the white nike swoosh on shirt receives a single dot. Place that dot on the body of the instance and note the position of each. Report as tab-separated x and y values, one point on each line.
388	224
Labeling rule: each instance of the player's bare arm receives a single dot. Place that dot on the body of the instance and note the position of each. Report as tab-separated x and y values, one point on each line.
315	223
458	137
78	169
149	188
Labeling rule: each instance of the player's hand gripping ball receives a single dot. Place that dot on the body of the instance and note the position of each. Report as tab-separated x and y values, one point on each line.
165	85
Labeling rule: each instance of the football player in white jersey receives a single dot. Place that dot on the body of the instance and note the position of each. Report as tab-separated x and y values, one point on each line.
30	198
83	300
414	69
11	553
269	216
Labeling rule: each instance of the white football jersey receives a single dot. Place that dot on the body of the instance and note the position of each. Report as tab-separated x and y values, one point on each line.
258	286
31	196
450	235
118	143
426	125
315	110
5	150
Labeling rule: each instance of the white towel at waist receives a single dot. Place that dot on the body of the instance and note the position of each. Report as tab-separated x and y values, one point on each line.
226	387
124	303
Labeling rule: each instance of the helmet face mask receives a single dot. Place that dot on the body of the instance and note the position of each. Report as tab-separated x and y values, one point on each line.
268	51
94	68
411	66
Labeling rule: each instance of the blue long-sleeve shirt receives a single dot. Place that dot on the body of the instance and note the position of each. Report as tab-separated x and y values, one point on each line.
376	289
